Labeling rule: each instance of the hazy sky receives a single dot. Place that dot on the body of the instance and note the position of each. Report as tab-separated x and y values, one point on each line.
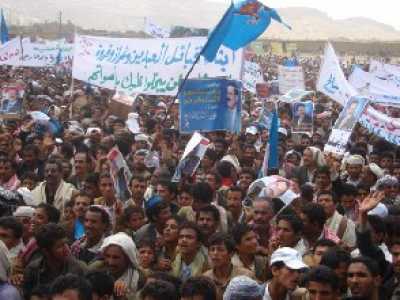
385	11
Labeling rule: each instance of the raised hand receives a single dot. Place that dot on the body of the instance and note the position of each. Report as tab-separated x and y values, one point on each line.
371	201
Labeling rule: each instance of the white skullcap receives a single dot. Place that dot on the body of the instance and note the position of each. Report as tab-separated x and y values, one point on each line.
162	105
233	160
24	211
283	131
355	160
242	286
251	130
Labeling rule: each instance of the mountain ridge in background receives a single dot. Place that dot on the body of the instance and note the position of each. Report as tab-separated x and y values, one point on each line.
124	15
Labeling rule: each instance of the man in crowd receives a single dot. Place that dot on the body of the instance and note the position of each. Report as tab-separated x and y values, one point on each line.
341	226
363	279
286	264
220	251
54	190
97	223
322	283
138	186
190	261
208	218
83	166
262	215
246	255
56	261
11	231
314	218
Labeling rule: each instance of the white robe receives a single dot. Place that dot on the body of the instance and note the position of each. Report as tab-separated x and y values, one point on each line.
349	236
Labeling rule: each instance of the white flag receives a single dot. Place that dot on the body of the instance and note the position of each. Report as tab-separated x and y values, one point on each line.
154	30
331	80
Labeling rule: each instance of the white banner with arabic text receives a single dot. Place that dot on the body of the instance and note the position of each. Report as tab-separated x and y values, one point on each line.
148	66
24	53
378	90
381	125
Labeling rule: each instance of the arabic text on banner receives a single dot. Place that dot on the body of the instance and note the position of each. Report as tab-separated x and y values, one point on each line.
148	66
209	105
379	90
32	54
290	78
345	124
381	125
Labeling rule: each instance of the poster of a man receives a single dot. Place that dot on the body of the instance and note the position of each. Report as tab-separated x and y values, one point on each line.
11	100
233	103
302	116
350	114
262	90
266	114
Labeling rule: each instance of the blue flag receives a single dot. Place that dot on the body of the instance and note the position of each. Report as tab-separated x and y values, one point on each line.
242	23
273	159
3	29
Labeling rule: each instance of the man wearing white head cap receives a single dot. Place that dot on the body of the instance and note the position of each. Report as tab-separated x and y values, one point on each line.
354	165
121	260
286	264
243	287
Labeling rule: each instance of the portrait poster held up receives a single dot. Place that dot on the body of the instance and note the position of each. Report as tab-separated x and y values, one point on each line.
265	118
303	114
120	174
262	90
193	154
11	99
210	104
345	124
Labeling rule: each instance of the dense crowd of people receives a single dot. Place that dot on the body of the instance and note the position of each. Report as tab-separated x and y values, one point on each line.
65	234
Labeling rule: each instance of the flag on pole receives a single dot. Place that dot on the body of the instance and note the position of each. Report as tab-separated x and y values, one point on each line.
242	23
331	81
3	29
271	157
